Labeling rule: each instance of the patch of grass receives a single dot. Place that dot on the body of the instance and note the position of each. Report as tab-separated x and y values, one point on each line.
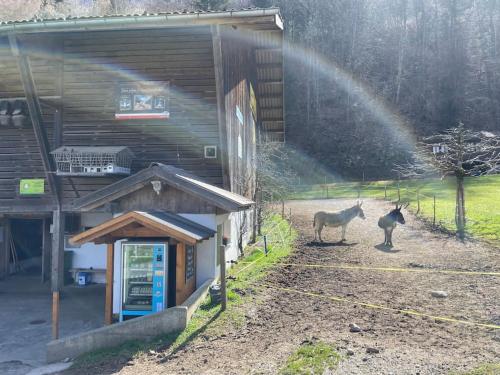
208	319
487	369
312	358
481	200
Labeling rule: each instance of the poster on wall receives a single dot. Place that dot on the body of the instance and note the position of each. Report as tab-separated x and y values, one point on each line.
32	186
143	100
190	262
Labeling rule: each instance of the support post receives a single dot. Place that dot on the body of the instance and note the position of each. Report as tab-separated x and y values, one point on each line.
221	105
55	315
108	310
434	212
57	274
36	116
222	252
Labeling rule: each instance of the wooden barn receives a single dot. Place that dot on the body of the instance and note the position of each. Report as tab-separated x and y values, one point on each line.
121	132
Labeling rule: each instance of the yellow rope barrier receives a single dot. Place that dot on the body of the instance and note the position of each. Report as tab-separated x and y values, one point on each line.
380	307
387	269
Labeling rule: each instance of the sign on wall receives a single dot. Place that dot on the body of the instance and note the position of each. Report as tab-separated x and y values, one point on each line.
143	100
190	262
32	186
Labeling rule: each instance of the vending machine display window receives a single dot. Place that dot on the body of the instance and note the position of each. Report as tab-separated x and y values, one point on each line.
143	279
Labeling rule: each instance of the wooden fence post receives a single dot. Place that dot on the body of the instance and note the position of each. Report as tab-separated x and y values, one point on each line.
265	245
290	222
385	192
223	293
434	213
418	201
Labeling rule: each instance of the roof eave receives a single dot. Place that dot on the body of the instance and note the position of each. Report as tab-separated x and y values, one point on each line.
140	22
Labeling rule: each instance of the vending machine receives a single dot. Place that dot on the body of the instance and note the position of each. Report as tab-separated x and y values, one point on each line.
143	286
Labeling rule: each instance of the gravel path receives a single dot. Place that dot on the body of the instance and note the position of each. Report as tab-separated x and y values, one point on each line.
399	343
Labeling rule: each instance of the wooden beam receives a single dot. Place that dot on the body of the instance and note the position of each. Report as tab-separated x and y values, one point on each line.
57	273
108	310
58	116
55	315
221	103
35	112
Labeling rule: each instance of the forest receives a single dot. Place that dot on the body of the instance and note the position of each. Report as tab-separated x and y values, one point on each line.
364	79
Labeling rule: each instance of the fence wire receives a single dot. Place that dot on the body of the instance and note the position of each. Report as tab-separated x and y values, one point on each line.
437	208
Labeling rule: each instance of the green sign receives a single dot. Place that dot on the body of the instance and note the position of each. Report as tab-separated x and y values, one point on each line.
32	186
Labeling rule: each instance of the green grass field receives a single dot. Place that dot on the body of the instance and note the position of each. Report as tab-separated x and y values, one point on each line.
312	358
482	197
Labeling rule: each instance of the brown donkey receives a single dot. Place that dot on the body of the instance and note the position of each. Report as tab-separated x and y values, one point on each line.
389	221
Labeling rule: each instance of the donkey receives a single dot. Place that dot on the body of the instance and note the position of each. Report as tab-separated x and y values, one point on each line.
336	219
389	221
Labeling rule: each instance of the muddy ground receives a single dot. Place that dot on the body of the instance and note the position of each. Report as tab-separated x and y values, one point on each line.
404	344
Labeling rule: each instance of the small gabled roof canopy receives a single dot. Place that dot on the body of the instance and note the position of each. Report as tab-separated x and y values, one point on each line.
175	177
143	225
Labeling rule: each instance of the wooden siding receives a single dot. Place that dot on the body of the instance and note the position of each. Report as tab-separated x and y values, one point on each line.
95	63
170	200
19	152
238	66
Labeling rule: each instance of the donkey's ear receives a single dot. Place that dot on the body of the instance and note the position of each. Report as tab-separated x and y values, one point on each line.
360	203
406	206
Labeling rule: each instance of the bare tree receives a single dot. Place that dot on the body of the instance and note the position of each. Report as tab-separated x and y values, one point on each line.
457	152
274	178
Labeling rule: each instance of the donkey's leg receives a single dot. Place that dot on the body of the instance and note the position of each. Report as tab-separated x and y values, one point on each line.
319	232
385	236
390	236
344	227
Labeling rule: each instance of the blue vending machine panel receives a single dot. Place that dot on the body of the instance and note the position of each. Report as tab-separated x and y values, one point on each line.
144	268
158	277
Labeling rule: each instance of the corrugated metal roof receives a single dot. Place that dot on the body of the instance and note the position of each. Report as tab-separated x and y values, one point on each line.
180	224
199	14
92	149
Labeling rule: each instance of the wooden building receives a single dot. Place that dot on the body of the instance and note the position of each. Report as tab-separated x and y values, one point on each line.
102	116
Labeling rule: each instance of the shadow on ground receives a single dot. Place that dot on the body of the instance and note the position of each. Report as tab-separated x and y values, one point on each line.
331	244
386	249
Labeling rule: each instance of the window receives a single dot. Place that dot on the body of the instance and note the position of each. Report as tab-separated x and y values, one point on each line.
210	152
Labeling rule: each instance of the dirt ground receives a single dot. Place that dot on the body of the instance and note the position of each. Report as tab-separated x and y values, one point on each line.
403	344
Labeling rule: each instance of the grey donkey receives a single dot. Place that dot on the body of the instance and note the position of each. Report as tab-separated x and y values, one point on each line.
336	219
389	222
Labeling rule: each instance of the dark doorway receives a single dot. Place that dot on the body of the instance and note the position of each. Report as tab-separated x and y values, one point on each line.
27	238
172	279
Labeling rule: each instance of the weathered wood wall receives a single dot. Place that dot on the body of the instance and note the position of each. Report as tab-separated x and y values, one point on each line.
169	199
94	64
239	73
19	152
